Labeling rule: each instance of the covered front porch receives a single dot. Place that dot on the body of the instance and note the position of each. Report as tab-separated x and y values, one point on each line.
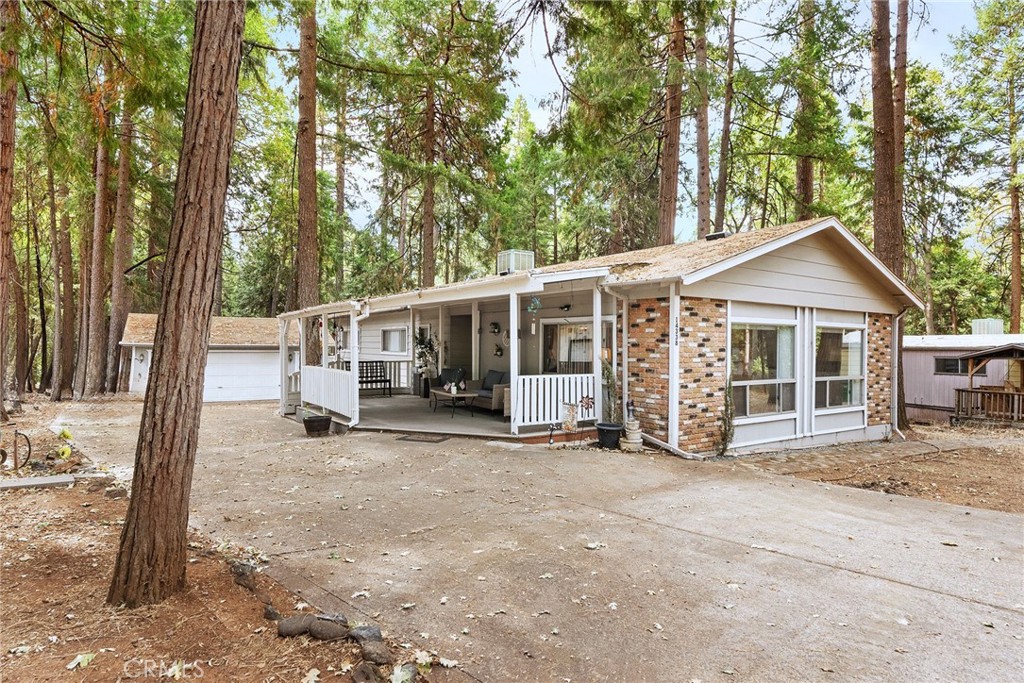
541	346
995	403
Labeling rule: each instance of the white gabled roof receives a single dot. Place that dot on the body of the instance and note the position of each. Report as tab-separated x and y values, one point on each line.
958	342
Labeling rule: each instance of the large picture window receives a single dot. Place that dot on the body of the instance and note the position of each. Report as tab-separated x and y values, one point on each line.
762	369
568	348
838	367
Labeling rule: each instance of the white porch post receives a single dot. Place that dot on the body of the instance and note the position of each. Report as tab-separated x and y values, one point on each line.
513	361
597	346
353	341
411	377
476	340
673	366
323	340
282	350
441	360
625	356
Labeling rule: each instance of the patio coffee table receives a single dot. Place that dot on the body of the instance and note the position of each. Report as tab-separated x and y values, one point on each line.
440	395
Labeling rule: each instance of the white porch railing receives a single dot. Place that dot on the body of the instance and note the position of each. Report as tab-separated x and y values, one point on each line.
538	399
328	388
400	373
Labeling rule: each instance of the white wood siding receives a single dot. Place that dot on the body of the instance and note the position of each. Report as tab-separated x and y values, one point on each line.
813	272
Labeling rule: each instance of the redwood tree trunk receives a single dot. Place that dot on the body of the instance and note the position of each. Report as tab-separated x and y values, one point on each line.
804	120
429	233
96	343
723	152
151	560
307	261
9	12
703	147
668	189
119	294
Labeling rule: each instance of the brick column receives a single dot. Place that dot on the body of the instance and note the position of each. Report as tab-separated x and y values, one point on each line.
879	377
702	370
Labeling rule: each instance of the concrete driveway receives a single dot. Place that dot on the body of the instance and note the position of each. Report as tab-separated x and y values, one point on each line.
536	565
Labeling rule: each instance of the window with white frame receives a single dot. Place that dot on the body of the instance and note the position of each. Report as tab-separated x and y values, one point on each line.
568	348
838	367
394	340
763	369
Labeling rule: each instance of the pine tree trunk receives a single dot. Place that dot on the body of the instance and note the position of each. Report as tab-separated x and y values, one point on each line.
119	293
341	132
888	237
56	377
1015	241
41	303
724	147
96	343
804	120
668	190
67	301
19	291
307	261
703	146
151	560
428	234
9	16
899	106
84	277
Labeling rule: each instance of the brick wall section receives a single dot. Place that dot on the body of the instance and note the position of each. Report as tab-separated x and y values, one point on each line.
648	364
702	371
879	379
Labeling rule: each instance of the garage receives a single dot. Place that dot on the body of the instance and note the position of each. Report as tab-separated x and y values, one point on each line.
242	363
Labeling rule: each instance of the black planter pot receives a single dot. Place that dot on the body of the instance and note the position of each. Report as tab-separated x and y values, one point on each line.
425	387
608	434
317	425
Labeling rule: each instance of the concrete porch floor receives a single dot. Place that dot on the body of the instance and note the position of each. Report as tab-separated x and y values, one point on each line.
406	413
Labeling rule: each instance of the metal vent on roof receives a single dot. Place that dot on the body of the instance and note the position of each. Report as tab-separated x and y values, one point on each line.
714	236
514	261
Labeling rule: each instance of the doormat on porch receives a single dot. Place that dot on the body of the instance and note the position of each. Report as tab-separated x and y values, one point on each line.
423	438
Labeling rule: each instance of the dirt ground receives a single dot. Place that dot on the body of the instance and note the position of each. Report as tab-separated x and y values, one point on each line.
969	465
57	547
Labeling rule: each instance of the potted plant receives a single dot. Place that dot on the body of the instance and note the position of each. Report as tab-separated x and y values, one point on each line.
425	357
608	433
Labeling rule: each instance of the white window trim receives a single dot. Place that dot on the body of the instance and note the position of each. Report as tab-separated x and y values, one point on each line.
765	417
834	410
397	328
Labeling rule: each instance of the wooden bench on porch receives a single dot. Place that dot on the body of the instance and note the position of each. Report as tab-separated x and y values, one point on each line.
373	374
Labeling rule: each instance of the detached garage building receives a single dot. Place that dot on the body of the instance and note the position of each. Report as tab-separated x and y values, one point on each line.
243	363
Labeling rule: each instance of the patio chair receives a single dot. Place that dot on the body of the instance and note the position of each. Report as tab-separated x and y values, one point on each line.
491	390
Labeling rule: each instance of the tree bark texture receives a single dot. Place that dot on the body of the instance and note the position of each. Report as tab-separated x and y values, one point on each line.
56	376
84	256
9	13
307	260
341	132
725	142
703	146
428	234
1015	241
899	104
888	236
151	561
67	300
804	120
119	293
668	190
19	292
96	343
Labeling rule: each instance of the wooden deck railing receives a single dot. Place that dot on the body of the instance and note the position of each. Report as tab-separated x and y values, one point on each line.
990	404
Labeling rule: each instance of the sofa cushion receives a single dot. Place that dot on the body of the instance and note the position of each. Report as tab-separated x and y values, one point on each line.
485	393
491	378
506	378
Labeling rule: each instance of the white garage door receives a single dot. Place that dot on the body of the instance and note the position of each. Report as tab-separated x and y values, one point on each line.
242	376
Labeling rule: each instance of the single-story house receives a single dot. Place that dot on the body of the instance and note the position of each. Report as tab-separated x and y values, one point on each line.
785	334
935	371
243	363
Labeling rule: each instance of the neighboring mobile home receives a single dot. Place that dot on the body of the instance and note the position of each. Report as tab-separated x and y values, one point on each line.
243	364
795	320
934	370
